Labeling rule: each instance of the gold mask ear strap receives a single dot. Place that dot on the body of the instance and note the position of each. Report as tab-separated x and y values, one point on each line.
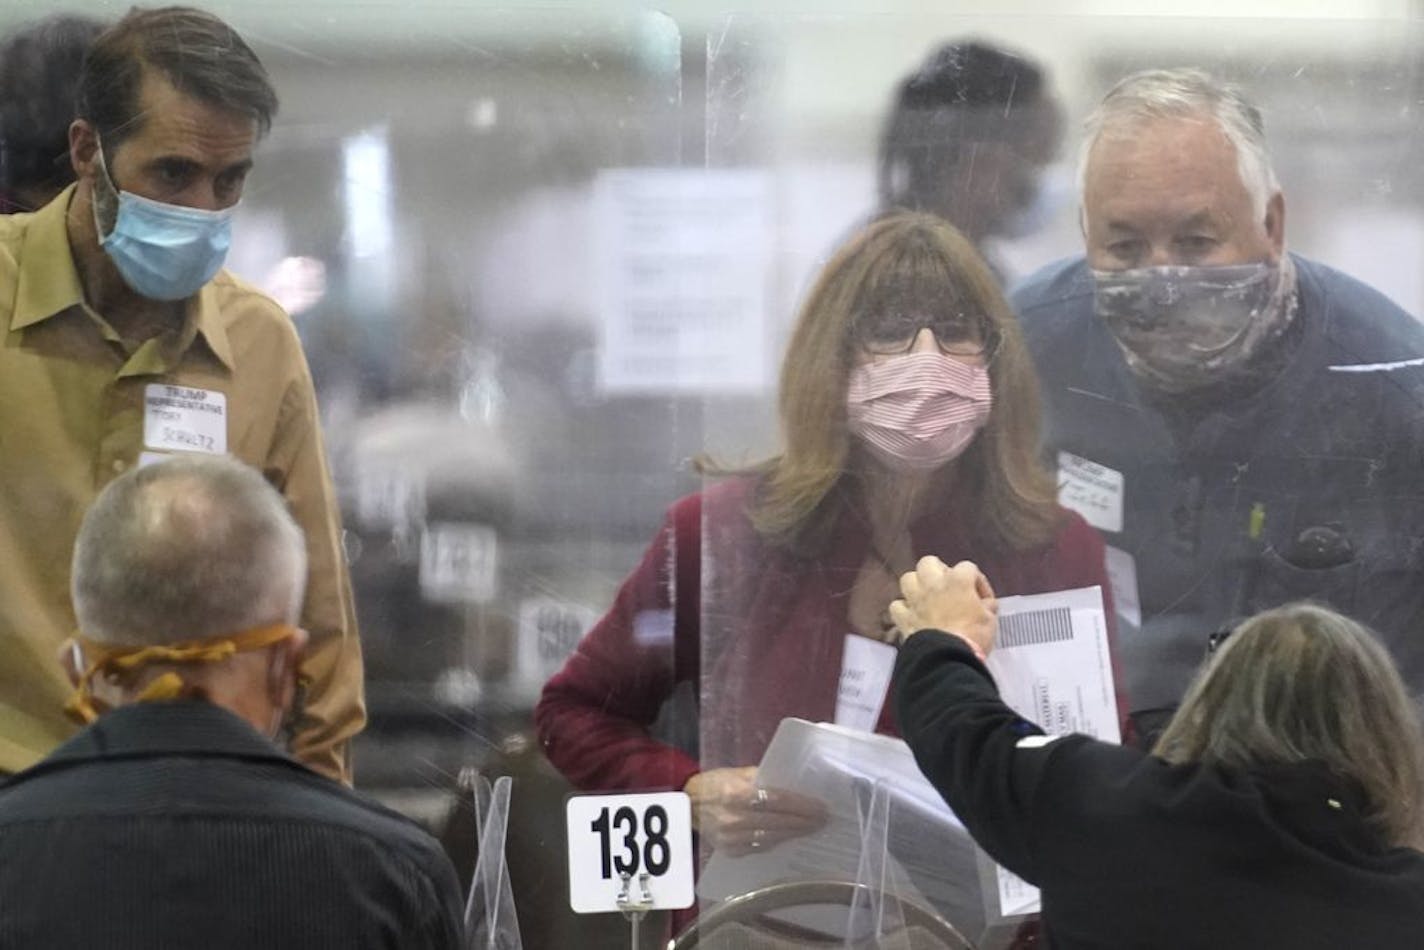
109	660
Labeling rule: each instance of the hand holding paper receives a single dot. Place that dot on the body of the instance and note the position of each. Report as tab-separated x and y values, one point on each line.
957	599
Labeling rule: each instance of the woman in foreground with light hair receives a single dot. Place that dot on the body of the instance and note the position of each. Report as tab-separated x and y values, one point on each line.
1280	808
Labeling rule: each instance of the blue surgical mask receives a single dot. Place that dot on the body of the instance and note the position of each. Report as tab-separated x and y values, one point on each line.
163	251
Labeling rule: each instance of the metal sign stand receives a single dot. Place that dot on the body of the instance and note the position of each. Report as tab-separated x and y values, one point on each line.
634	910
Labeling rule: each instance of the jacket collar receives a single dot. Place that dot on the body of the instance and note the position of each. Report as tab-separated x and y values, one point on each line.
159	729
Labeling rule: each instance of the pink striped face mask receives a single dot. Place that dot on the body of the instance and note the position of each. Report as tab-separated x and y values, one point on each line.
918	411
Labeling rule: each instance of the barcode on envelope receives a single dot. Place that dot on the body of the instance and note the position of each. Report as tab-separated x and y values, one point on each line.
1036	626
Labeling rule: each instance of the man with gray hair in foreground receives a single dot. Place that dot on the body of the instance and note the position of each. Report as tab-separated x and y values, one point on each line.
1243	424
173	813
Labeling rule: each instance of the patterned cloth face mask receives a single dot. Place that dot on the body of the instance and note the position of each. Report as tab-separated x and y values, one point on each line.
1185	328
918	411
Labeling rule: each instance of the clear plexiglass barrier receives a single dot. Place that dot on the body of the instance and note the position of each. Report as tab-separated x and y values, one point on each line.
653	346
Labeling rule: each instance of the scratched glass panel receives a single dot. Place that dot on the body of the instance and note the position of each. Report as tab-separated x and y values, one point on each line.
1240	457
430	207
541	261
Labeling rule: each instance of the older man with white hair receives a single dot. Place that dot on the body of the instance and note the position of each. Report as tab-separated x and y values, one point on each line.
1243	424
174	818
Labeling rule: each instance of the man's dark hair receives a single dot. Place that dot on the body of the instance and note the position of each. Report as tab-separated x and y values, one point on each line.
200	55
39	76
963	92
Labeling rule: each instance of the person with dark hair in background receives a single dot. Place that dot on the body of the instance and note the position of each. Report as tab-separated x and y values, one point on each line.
909	417
173	818
39	80
1282	807
125	341
967	139
1244	425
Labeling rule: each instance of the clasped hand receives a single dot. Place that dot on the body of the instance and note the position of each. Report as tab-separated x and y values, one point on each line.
957	600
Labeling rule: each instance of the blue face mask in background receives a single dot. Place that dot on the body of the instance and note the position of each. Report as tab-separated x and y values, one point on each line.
163	251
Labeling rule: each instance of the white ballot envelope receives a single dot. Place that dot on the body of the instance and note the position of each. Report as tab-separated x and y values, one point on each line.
1051	664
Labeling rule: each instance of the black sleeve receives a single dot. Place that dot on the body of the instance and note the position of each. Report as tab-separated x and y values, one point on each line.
987	761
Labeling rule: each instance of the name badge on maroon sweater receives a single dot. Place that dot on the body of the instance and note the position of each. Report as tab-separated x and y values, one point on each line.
865	678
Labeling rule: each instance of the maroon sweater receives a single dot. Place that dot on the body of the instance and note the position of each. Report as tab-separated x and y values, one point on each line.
757	631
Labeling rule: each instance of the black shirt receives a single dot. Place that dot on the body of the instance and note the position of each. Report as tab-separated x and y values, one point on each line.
177	825
1130	852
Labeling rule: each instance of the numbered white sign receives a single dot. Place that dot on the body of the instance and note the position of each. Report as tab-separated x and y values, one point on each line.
549	629
388	496
634	834
459	562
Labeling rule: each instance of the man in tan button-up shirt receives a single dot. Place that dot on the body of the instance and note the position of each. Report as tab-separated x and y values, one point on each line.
122	343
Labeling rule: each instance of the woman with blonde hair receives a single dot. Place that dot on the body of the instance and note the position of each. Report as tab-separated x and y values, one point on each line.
909	420
1282	807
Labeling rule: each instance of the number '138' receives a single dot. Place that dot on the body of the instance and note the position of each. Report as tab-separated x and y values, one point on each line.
619	836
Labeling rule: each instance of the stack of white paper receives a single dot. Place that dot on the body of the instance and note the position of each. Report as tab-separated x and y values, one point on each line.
929	856
1051	664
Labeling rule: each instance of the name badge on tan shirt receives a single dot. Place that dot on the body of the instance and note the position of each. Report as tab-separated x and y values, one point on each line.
183	419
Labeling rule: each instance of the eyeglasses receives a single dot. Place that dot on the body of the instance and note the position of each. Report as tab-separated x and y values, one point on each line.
894	334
